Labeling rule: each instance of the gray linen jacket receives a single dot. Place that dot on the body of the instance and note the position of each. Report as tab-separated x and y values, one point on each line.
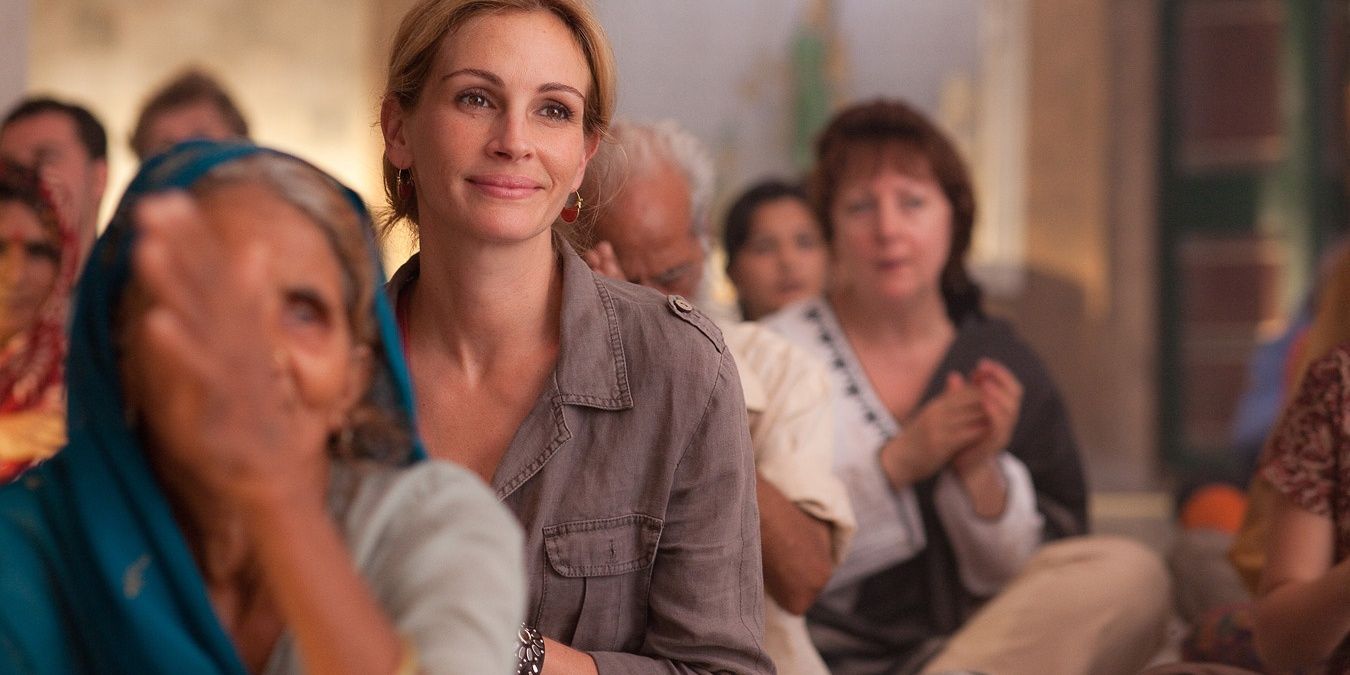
634	480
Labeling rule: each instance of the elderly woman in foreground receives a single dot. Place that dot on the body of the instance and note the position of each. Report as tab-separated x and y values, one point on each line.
243	491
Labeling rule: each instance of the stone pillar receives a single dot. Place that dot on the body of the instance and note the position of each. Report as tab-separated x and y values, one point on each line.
1088	305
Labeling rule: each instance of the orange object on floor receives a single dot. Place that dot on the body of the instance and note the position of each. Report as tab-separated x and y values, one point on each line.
1215	507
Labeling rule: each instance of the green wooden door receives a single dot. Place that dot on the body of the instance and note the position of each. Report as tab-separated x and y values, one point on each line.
1252	184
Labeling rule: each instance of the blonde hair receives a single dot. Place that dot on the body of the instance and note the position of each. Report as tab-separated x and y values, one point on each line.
431	21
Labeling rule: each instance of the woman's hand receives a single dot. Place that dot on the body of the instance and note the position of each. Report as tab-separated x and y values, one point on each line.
559	659
946	425
1001	400
222	407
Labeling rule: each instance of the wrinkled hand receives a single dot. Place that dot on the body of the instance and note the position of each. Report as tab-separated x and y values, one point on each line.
603	260
946	425
228	412
1001	400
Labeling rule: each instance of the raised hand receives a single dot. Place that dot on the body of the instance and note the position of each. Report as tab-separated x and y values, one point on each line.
1001	400
215	364
603	260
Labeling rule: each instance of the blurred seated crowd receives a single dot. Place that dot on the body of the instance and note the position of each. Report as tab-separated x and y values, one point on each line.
231	443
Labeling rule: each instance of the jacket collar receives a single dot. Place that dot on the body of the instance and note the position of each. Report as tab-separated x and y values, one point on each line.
591	370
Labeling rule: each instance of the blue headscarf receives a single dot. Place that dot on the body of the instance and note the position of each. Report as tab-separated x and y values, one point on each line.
95	575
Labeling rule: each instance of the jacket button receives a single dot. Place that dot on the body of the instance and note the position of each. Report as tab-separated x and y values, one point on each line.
681	304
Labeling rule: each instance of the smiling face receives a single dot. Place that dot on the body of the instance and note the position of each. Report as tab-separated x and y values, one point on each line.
892	233
495	141
782	261
29	261
327	367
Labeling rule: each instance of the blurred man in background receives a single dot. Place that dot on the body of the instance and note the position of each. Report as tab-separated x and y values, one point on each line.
68	147
191	105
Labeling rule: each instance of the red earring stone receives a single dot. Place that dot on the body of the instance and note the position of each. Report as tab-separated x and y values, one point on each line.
572	211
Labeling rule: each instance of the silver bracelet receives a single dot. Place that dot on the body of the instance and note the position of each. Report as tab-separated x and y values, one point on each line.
529	651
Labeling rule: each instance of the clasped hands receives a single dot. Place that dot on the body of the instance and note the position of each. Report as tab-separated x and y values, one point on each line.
964	427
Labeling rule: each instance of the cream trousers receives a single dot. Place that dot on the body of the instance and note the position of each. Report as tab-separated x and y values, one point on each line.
1093	605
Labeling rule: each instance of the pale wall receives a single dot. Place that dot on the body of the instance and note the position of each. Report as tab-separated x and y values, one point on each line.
13	51
298	69
722	68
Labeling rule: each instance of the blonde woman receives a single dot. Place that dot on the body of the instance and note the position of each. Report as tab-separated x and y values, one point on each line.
607	417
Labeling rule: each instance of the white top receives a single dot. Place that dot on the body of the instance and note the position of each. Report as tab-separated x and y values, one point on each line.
890	530
788	399
443	559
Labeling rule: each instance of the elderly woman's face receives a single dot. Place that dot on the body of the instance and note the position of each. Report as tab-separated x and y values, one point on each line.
310	329
496	141
29	259
892	232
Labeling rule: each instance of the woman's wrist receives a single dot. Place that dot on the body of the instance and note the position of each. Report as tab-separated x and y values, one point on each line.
975	464
529	651
985	486
891	457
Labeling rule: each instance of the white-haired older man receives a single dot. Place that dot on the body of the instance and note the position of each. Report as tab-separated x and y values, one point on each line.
647	194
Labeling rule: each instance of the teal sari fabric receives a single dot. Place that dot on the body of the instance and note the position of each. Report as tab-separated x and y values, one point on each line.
95	576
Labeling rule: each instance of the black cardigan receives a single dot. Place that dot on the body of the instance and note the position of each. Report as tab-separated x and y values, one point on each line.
905	613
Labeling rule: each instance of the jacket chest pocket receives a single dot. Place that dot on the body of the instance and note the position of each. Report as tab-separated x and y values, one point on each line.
595	587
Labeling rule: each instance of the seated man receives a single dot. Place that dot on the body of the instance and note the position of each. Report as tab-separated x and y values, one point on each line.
653	185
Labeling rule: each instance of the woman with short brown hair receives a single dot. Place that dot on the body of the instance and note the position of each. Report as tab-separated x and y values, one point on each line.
951	437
